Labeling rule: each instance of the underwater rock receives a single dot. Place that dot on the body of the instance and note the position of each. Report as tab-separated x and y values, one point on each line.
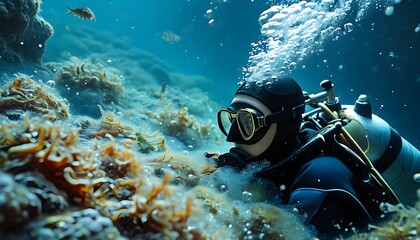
17	204
23	34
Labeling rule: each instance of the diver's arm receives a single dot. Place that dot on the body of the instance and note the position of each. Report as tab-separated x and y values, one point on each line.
324	195
331	212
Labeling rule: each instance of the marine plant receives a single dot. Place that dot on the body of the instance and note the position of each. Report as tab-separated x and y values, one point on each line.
24	94
112	125
84	75
188	170
182	125
143	196
404	224
150	142
106	176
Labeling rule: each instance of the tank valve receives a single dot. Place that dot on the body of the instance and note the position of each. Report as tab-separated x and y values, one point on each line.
363	107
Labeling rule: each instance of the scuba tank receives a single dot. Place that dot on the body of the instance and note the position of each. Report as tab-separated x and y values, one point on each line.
394	158
391	156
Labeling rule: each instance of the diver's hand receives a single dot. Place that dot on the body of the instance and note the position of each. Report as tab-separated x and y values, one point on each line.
234	158
212	155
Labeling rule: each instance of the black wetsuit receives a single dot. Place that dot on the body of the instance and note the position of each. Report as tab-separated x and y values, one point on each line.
330	191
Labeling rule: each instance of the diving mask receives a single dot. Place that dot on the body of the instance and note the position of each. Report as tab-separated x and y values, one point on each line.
251	120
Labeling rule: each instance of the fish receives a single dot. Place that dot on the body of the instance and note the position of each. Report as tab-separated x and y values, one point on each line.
83	13
170	36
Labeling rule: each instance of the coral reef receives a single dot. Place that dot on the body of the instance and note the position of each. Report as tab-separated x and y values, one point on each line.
24	94
119	191
23	34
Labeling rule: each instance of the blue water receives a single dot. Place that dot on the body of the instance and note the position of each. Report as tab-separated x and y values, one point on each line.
379	57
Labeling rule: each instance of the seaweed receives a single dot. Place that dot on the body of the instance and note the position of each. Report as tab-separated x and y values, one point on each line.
189	171
182	125
112	125
83	75
24	94
404	224
150	142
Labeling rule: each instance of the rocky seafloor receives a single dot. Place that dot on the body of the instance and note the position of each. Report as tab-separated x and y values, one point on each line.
91	149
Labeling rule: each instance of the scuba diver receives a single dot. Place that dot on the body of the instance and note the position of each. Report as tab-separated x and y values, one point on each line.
332	164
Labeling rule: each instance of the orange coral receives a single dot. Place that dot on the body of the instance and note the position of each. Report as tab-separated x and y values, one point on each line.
112	125
27	95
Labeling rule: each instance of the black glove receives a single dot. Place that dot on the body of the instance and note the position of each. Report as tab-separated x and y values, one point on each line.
235	158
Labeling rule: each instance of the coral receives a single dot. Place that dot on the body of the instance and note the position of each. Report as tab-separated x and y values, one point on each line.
17	204
112	125
106	176
404	224
154	142
46	192
149	215
143	196
82	75
84	224
189	171
45	147
25	94
250	221
23	34
181	125
265	221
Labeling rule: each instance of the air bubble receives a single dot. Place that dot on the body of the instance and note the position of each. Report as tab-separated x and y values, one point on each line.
208	14
389	10
247	196
348	27
274	78
387	207
416	177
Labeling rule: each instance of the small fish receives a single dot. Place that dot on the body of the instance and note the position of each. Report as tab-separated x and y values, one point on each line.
170	37
162	91
83	13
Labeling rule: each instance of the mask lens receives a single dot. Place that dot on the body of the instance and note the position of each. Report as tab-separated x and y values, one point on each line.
225	121
246	123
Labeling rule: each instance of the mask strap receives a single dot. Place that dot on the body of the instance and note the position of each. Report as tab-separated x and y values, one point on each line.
282	116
